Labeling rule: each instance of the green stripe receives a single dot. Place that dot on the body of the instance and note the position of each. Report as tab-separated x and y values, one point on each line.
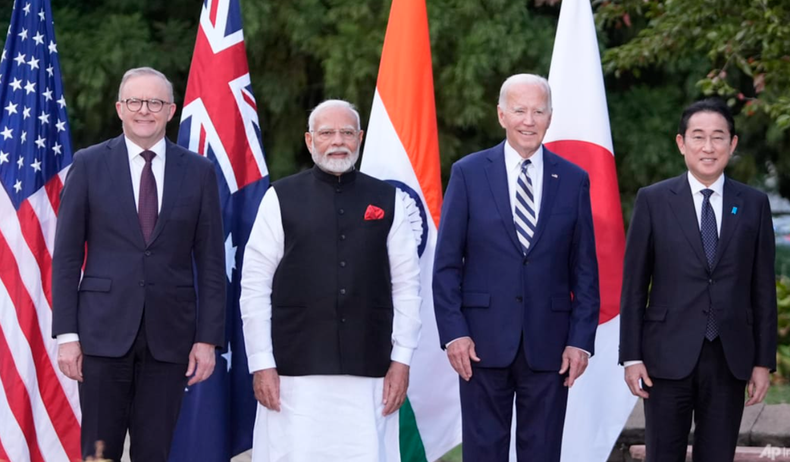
411	447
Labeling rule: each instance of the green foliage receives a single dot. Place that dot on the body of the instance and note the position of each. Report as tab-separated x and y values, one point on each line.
783	350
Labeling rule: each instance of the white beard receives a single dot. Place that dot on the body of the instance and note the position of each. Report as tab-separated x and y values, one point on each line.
335	165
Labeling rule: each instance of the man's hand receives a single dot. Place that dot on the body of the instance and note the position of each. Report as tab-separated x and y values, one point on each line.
396	382
574	361
70	360
758	385
459	352
633	374
266	384
201	362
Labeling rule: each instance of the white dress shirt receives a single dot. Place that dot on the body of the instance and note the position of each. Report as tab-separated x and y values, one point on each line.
263	253
716	201
535	171
136	164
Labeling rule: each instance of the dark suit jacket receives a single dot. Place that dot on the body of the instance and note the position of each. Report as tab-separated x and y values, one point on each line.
122	274
483	285
665	326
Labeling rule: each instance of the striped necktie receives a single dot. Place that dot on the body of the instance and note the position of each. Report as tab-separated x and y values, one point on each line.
525	217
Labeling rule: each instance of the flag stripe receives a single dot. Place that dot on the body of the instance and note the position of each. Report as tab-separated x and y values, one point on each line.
56	403
53	188
405	85
34	236
411	446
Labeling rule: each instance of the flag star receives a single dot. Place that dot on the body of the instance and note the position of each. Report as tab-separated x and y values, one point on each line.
21	162
44	118
41	142
3	157
41	14
18	185
47	94
62	102
11	108
61	125
16	84
20	58
7	133
26	9
230	257
50	70
3	57
228	356
24	136
52	47
23	34
25	113
1	78
56	148
36	165
38	38
33	63
30	87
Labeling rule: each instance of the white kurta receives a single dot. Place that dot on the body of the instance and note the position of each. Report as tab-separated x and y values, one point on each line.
325	418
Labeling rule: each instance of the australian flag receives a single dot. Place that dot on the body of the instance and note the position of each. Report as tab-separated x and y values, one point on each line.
220	121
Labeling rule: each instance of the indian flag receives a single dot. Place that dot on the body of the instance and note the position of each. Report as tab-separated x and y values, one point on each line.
402	148
600	402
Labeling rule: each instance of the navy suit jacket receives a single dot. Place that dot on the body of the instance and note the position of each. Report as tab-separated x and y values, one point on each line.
122	274
664	326
484	286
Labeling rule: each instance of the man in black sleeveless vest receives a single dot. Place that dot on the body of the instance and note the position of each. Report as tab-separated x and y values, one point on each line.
330	304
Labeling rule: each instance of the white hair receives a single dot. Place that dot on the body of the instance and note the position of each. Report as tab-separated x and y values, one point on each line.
524	79
331	103
138	71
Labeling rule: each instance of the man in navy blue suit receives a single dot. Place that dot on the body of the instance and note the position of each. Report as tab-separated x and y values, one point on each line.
516	282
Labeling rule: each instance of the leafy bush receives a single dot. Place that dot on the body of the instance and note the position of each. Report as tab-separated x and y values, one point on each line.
783	350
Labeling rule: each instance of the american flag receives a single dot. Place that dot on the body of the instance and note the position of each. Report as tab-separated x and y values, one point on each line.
220	120
39	407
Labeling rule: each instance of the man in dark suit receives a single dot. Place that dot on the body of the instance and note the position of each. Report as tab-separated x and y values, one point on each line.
131	330
516	282
707	326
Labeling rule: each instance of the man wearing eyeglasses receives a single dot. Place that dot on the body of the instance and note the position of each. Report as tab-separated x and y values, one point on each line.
129	325
330	304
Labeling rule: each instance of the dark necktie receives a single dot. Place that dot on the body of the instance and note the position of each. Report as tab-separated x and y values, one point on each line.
710	239
148	203
526	221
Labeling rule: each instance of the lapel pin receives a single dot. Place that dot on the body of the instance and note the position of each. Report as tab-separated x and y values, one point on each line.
554	175
734	210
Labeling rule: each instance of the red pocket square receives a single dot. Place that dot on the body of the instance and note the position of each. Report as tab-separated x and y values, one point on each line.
373	213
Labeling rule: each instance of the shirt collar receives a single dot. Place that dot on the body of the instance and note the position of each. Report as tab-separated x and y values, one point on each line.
697	186
513	159
133	150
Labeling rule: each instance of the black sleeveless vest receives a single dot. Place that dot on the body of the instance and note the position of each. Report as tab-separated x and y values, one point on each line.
332	293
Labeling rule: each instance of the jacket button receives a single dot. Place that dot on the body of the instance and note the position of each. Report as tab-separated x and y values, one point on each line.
341	211
342	264
519	299
342	291
342	319
338	190
147	253
141	283
710	281
342	237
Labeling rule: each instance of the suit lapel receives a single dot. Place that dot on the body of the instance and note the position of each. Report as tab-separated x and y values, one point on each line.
550	185
682	204
174	175
117	162
497	180
730	218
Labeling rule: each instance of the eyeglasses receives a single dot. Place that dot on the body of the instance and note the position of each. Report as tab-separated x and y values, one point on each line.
135	104
326	135
716	140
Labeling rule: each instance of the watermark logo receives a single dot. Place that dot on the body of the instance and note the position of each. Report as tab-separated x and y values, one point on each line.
773	452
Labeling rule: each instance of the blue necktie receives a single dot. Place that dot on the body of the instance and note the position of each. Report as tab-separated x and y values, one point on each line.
525	218
710	239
